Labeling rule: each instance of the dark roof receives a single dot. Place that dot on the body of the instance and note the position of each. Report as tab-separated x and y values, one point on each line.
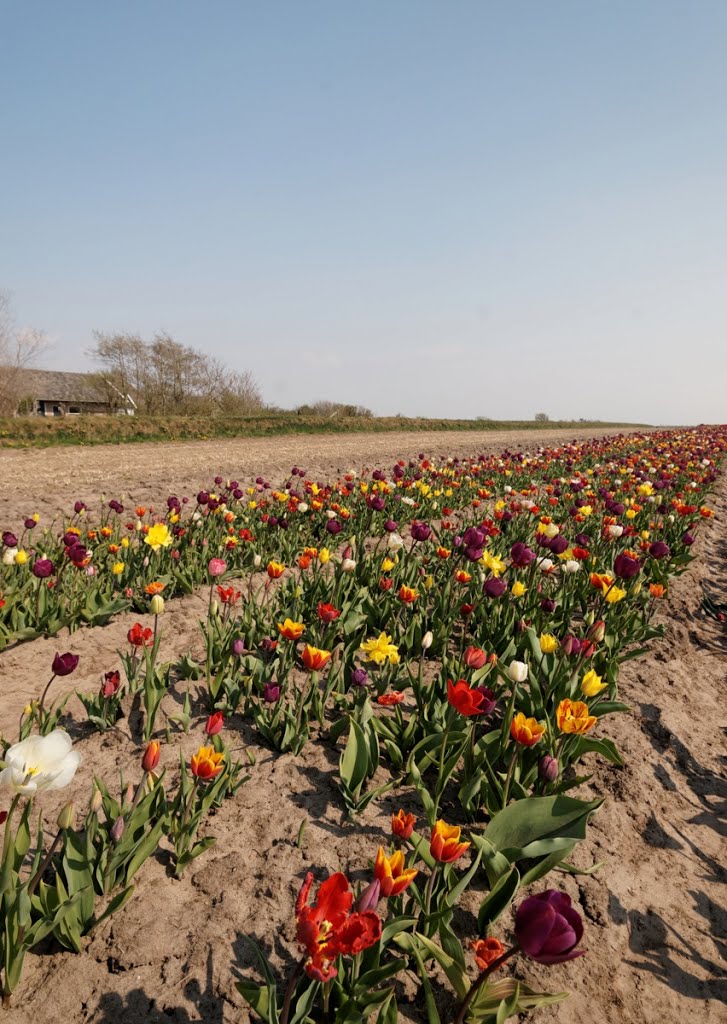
55	386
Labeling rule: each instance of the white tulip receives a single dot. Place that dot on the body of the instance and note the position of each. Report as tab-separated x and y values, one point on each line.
551	530
395	542
545	564
615	531
427	640
302	507
517	672
348	565
9	556
40	762
572	566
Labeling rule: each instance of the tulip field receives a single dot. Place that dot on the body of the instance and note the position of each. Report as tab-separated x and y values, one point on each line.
370	745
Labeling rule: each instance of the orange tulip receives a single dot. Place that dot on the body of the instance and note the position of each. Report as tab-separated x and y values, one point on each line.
151	756
313	658
206	764
445	845
573	717
392	874
275	570
526	731
402	825
487	951
291	630
407	595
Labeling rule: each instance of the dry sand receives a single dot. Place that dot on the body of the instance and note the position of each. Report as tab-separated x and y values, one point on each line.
656	926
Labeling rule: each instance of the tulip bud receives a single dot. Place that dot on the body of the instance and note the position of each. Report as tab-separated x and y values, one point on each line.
96	802
597	631
157	605
214	723
348	565
257	561
548	768
238	646
151	756
67	816
117	830
369	898
129	793
427	640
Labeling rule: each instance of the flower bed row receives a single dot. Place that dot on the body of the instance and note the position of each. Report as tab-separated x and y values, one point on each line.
455	628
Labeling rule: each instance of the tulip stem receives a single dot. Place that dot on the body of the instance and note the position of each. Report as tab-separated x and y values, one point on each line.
467	1001
42	701
33	884
290	992
508	777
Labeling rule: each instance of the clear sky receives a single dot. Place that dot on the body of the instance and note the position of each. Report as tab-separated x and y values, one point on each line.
451	208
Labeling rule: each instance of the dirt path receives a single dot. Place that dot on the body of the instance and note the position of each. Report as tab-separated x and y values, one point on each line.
46	479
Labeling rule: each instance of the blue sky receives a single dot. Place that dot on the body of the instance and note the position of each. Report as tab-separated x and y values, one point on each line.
434	208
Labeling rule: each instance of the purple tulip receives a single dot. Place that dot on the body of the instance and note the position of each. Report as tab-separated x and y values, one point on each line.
238	646
116	506
79	507
473	538
9	539
30	524
582	539
369	898
548	769
77	554
43	568
390	526
473	554
359	677
521	555
558	544
548	929
626	567
571	645
687	539
490	700
334	527
203	497
420	531
495	587
271	693
64	664
659	549
548	605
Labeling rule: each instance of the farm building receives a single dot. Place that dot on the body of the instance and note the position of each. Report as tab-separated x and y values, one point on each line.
53	393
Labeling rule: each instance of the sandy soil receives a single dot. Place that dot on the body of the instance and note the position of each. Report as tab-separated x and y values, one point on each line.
44	479
656	923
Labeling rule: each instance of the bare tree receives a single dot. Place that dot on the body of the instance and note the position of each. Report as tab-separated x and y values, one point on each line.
19	347
165	377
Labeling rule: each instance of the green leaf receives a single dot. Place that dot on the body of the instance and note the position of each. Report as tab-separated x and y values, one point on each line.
607	748
498	899
525	822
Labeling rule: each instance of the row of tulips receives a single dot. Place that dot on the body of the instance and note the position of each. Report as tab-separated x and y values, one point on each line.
85	874
573	508
456	627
